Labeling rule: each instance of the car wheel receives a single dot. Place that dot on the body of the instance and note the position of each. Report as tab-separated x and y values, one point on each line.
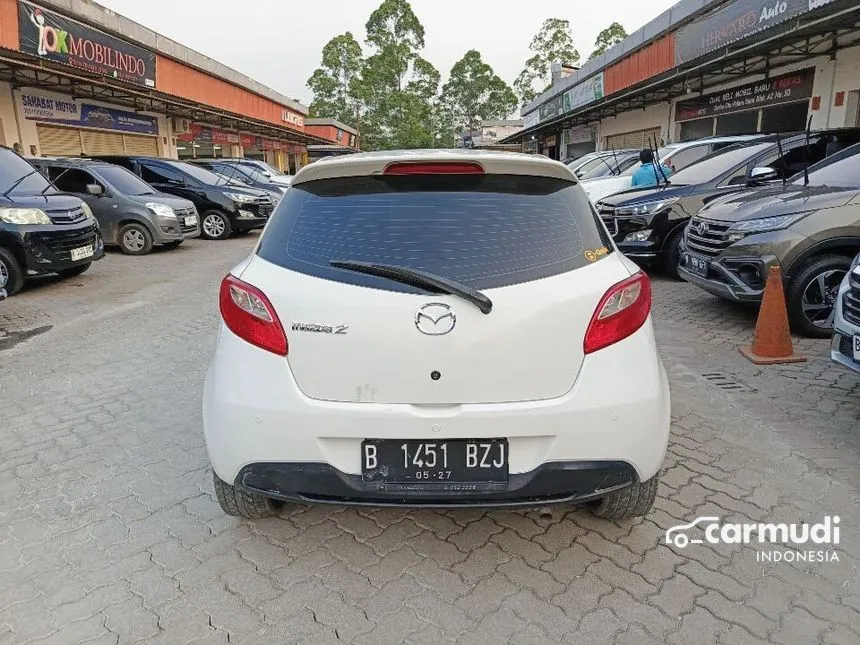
812	295
672	255
11	276
74	271
215	226
135	239
241	503
633	501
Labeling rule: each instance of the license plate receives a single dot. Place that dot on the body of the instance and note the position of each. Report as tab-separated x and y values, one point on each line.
857	347
82	252
698	266
437	462
191	220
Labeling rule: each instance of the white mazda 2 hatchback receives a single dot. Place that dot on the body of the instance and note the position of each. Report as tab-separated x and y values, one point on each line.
436	328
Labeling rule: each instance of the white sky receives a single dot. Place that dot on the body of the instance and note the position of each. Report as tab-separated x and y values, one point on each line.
278	42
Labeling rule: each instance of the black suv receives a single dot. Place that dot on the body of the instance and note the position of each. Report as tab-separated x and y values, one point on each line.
42	231
243	174
648	224
224	207
130	213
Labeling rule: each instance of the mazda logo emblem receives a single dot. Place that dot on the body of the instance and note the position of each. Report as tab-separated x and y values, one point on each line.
435	319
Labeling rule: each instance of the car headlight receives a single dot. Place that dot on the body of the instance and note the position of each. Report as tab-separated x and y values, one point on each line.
88	212
762	224
646	208
162	210
24	216
639	236
240	198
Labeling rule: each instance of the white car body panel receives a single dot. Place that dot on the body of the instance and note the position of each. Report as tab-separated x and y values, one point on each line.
518	373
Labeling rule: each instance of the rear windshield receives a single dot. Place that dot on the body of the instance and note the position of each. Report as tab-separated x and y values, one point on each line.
485	231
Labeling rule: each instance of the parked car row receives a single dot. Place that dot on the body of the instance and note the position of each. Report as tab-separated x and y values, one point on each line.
722	222
59	213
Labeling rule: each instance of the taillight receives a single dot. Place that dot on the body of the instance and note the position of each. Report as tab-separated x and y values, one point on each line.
434	168
248	313
622	311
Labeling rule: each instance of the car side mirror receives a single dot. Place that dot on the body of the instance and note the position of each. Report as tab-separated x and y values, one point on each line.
763	173
95	189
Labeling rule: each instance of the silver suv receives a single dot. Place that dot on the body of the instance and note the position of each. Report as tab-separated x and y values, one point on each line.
846	330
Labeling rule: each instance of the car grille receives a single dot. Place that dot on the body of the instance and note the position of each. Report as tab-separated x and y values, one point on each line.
181	214
73	216
851	300
706	237
60	244
265	206
612	222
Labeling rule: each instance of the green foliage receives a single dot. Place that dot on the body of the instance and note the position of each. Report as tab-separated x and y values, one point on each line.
608	38
552	44
474	92
335	83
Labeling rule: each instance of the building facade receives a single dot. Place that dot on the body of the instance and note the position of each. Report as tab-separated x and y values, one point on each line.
77	79
706	68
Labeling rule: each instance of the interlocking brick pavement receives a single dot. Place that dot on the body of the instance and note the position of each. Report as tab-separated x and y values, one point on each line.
109	532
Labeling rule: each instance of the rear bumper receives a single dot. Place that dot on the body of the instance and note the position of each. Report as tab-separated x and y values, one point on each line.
618	410
551	483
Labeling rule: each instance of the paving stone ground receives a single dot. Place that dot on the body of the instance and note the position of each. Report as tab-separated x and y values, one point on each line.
109	532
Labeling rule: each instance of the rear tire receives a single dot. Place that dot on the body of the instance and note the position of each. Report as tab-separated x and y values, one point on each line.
135	239
671	256
804	295
11	276
74	271
215	225
633	501
241	503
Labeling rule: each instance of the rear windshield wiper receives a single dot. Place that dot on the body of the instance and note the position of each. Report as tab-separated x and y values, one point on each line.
421	279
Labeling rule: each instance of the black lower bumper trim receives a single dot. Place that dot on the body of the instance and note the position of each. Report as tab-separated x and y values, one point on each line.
551	483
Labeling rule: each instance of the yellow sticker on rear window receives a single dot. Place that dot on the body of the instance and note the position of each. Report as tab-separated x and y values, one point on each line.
592	255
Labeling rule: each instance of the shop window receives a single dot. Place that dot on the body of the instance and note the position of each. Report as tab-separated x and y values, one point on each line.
785	118
692	130
740	123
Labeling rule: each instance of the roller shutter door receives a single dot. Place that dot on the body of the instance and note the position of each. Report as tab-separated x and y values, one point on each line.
137	145
97	142
59	142
635	140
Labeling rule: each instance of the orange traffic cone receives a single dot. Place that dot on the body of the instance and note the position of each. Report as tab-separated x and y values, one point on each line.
772	340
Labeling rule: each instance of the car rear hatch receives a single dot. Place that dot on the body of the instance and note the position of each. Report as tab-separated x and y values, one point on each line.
531	244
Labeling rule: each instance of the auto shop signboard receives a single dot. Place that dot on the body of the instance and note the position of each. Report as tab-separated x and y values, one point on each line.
786	88
49	107
54	37
736	21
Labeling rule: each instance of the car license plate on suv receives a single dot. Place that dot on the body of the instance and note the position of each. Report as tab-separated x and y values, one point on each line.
81	253
434	462
698	266
857	347
190	220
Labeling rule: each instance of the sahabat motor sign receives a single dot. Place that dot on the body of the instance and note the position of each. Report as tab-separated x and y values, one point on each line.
49	35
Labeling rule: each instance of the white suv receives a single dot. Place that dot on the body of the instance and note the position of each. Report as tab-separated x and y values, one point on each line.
436	328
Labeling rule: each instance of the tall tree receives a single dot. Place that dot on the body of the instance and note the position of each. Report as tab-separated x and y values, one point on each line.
335	83
474	92
552	44
398	87
608	38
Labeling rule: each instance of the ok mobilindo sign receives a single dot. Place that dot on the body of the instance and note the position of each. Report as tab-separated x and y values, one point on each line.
49	35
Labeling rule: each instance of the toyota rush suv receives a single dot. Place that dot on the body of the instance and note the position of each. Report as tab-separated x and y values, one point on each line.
810	228
432	328
846	330
130	213
224	207
42	231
